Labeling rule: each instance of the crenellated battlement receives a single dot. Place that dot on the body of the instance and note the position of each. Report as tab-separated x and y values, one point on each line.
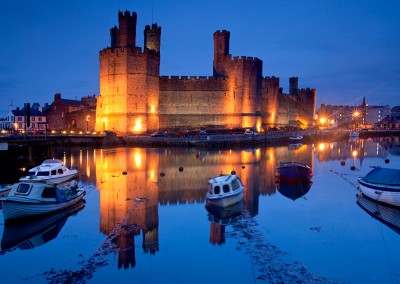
133	51
154	27
192	78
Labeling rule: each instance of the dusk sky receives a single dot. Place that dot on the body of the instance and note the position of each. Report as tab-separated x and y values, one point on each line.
344	49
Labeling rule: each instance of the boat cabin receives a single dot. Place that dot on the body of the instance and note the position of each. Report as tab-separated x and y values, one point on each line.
224	185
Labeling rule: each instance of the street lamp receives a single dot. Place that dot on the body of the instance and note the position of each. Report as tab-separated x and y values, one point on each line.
356	114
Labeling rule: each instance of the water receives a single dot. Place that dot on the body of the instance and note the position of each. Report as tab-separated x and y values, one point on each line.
151	225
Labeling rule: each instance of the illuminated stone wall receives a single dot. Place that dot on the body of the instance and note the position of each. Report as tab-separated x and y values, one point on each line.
135	99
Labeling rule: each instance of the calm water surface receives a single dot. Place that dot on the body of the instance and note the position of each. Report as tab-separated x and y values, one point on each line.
145	219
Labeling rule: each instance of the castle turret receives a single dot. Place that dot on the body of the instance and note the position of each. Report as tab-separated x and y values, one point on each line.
293	85
125	35
152	37
221	49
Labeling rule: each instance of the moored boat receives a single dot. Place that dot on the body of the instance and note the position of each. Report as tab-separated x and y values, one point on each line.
293	171
354	134
382	185
50	171
32	199
225	190
28	234
296	138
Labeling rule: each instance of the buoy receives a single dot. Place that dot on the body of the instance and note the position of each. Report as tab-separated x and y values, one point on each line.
311	174
277	174
243	167
181	169
124	173
342	163
352	168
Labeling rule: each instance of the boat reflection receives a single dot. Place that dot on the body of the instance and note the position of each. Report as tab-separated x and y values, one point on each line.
294	189
222	217
35	232
390	216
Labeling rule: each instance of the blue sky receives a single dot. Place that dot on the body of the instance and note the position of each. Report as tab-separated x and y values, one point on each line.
344	49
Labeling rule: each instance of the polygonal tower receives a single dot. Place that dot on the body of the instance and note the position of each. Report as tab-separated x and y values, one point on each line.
129	81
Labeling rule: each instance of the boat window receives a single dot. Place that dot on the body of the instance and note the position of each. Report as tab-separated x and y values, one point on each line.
60	171
235	184
43	174
225	188
23	188
217	190
48	192
53	172
30	174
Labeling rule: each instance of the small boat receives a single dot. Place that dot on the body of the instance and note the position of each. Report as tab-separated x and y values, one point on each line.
28	234
296	138
382	185
27	199
388	215
225	190
294	190
354	134
50	171
293	171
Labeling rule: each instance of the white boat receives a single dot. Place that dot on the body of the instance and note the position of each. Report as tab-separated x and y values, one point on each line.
225	190
382	185
28	199
50	171
296	138
35	232
354	134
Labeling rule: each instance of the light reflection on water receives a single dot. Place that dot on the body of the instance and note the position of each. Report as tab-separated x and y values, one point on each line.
145	219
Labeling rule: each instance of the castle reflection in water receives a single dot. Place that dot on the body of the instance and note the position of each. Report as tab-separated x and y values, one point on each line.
134	182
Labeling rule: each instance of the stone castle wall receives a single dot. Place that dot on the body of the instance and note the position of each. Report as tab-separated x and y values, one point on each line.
135	99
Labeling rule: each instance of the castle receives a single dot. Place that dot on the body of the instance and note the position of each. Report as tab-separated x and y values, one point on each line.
134	98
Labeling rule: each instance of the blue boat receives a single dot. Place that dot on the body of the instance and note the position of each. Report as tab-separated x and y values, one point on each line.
293	171
382	185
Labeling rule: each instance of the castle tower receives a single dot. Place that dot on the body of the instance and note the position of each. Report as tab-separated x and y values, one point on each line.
293	85
270	102
221	49
126	34
152	37
129	80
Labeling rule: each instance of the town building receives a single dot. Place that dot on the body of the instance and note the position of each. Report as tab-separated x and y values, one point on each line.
135	99
72	115
28	118
346	116
390	122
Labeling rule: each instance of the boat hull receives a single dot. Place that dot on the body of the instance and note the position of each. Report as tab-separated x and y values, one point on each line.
224	200
16	208
389	194
293	172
